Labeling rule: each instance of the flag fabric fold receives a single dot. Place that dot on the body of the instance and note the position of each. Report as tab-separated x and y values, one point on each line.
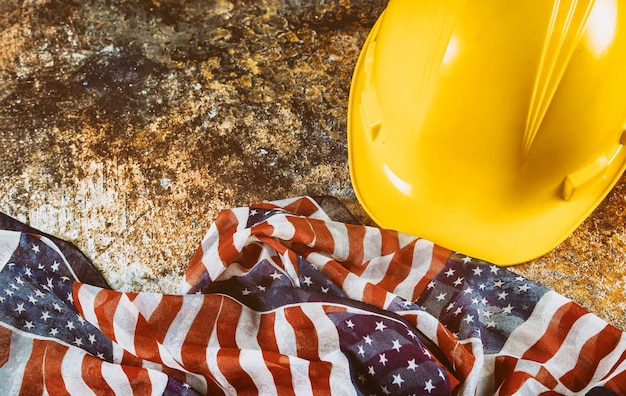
280	298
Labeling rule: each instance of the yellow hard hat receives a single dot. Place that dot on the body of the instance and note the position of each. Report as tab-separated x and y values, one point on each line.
490	127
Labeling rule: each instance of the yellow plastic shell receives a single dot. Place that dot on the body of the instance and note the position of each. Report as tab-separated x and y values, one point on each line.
490	127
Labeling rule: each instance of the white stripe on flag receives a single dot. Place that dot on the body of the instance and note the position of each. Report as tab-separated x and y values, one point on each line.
242	215
290	268
327	336
389	298
116	378
241	238
210	256
146	303
318	260
529	332
168	360
9	241
247	329
405	239
211	358
377	269
285	336
283	229
426	323
422	258
568	355
158	380
300	380
329	347
86	297
125	323
372	243
71	372
176	334
339	233
252	362
353	286
609	362
12	372
197	382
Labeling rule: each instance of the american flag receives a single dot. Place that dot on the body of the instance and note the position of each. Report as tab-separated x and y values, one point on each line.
281	299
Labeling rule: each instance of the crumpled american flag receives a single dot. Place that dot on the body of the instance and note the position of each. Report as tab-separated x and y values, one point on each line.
281	299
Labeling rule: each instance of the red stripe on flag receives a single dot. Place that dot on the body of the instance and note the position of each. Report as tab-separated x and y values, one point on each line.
546	378
617	384
176	374
228	363
374	295
324	241
306	335
335	272
266	336
164	315
32	383
198	336
139	380
130	359
264	228
438	261
456	353
264	205
105	303
328	309
229	315
91	370
593	351
305	234
410	317
507	380
274	244
554	336
399	268
356	235
196	267
131	296
319	374
618	363
280	368
5	345
226	224
54	354
249	255
389	242
303	206
146	345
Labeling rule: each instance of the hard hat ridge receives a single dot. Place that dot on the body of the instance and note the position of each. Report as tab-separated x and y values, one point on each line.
564	32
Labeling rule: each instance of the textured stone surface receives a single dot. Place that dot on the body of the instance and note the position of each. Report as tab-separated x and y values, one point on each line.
127	125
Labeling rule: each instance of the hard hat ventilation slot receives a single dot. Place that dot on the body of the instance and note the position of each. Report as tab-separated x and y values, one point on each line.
584	177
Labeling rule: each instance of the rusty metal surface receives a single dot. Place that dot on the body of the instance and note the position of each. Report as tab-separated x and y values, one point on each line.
125	126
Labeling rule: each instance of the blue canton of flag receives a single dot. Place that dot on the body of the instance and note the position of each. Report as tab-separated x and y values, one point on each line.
478	299
387	357
266	287
36	298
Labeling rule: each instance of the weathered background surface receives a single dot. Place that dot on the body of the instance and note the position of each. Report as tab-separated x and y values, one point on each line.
125	126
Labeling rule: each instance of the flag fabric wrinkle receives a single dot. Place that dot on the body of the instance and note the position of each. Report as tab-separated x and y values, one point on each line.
280	298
